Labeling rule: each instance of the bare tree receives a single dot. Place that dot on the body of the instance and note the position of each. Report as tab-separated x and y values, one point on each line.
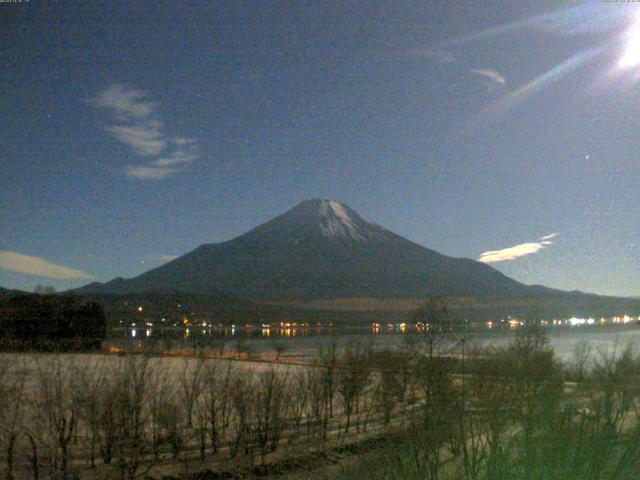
318	404
271	405
328	359
214	405
12	387
129	413
190	381
392	369
107	423
352	377
161	388
432	315
242	394
56	408
436	420
89	388
170	421
299	398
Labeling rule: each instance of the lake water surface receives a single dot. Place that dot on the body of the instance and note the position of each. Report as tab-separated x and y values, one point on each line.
308	341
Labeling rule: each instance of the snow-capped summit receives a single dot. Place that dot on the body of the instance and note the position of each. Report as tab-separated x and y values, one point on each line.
335	221
321	218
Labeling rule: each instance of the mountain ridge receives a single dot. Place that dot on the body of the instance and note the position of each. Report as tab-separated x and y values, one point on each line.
321	249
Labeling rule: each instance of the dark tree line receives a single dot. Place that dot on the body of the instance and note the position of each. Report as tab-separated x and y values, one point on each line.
45	322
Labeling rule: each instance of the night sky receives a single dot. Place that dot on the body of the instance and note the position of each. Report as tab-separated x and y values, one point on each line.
132	132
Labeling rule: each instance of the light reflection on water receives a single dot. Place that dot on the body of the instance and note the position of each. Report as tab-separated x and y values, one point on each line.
307	339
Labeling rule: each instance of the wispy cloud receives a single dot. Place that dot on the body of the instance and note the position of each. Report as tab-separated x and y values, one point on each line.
149	173
36	266
517	251
183	141
141	129
176	158
126	102
526	91
146	139
550	236
492	78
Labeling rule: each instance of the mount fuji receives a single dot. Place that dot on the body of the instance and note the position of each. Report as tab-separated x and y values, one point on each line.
320	249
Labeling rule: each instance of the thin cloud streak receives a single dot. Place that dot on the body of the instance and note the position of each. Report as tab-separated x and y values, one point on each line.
491	75
550	236
38	267
517	251
526	91
145	139
149	173
175	158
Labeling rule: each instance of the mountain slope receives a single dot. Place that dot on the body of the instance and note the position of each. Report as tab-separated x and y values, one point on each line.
320	249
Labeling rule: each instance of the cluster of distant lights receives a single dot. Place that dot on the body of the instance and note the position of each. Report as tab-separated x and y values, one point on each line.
284	328
293	328
572	322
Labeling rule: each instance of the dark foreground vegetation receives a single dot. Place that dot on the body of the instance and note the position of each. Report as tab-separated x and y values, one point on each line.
516	413
50	323
507	413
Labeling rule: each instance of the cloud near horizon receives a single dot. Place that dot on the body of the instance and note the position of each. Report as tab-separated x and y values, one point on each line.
141	129
38	267
517	251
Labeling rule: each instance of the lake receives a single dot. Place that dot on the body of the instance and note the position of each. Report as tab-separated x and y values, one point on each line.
306	341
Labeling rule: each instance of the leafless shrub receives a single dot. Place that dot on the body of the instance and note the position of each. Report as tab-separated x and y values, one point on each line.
614	385
577	369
